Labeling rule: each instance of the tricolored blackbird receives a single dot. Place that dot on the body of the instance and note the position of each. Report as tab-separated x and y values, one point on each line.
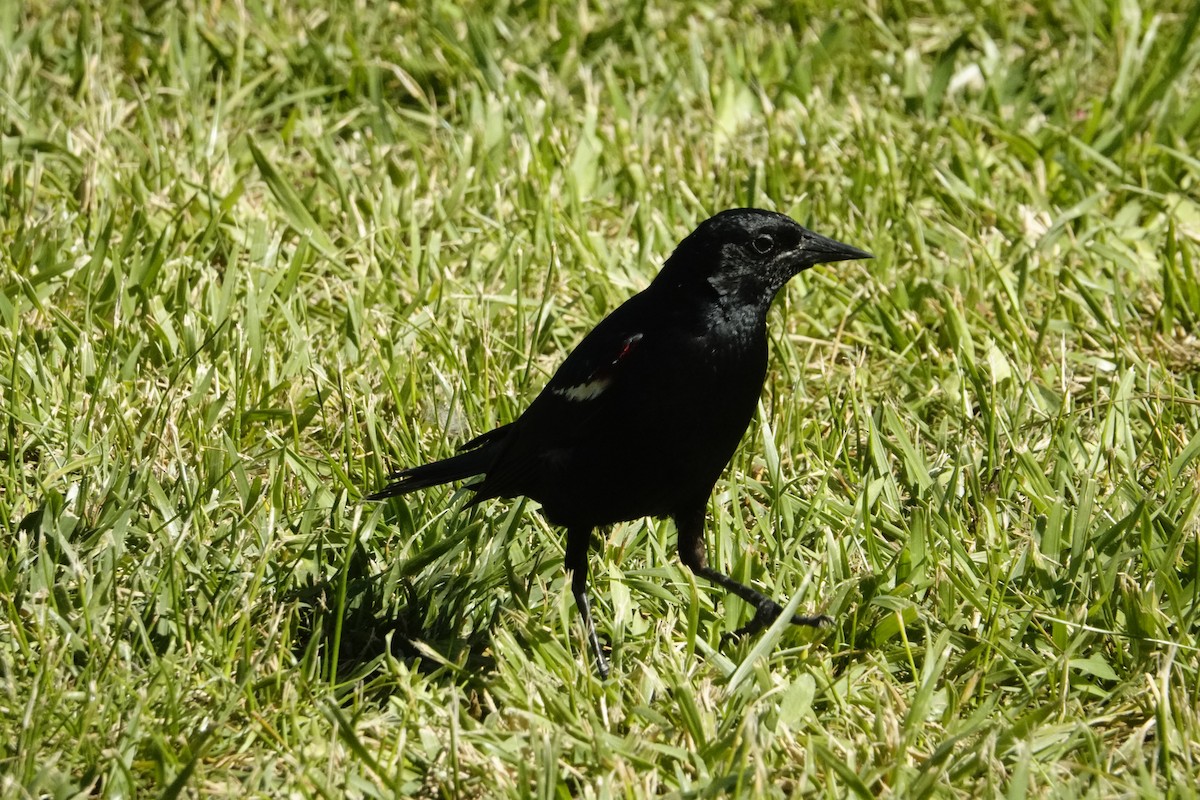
645	413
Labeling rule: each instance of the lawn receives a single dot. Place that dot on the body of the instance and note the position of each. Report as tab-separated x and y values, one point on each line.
255	255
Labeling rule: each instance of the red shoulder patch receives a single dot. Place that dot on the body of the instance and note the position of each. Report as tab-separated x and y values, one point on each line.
602	377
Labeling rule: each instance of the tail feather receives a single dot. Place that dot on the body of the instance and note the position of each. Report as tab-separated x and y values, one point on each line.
455	468
491	437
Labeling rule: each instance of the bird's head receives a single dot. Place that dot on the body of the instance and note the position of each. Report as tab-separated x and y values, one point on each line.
748	254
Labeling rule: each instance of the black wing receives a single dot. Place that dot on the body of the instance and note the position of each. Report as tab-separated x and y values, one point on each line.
580	396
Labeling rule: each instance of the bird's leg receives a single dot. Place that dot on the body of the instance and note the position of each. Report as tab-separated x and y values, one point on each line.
693	556
576	563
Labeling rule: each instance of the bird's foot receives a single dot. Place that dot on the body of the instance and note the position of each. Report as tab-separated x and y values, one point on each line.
814	621
767	611
602	666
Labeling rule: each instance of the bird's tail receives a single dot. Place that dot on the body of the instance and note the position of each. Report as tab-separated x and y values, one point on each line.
475	458
455	468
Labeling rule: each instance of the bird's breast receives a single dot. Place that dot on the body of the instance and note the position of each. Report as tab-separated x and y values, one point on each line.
697	397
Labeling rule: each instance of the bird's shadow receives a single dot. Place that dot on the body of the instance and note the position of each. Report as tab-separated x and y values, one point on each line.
351	622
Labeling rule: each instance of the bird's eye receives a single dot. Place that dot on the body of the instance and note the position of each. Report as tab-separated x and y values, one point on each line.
763	244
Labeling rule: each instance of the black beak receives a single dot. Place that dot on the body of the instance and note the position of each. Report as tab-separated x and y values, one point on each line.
817	249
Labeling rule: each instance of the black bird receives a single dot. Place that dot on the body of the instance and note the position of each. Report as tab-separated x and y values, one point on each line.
645	413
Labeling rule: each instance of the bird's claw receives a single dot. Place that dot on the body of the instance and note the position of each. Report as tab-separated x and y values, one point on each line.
767	611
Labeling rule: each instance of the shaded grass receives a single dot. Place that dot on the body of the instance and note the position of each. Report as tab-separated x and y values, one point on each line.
256	257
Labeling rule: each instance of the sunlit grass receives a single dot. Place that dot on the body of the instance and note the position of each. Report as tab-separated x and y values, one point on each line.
254	257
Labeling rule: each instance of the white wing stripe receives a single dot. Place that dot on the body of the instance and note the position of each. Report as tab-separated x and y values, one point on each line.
584	391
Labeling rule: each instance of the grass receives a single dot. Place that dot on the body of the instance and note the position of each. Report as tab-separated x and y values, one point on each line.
256	255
